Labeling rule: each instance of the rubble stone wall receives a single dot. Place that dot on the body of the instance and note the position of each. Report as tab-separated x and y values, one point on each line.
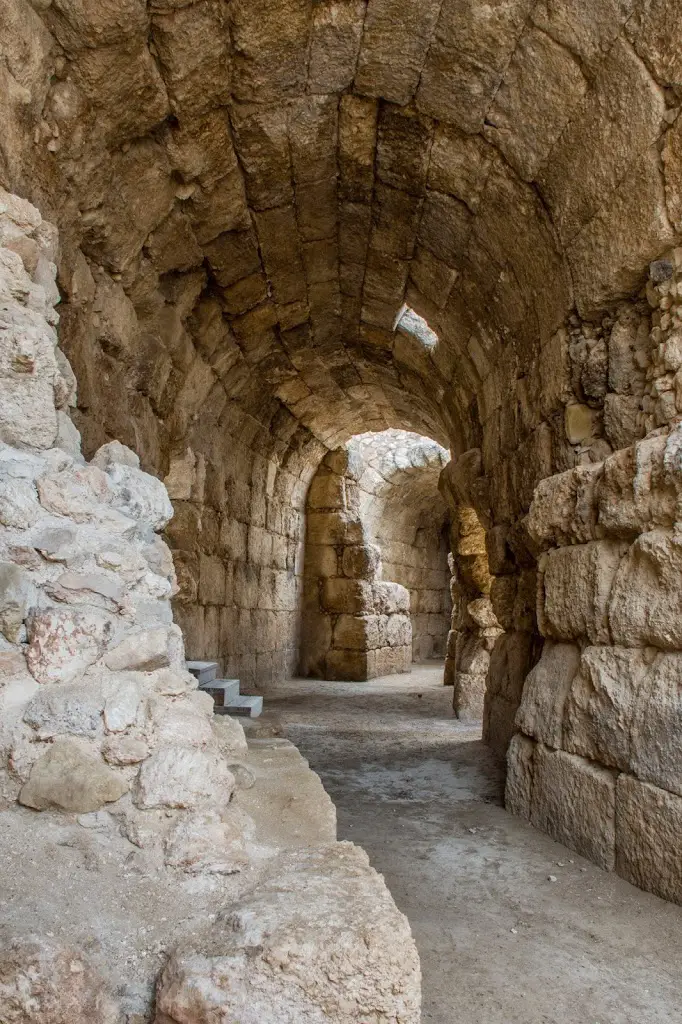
97	706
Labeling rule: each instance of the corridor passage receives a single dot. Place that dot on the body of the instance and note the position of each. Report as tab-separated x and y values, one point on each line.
511	926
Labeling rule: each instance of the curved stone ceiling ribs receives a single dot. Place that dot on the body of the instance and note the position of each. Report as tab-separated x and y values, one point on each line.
293	172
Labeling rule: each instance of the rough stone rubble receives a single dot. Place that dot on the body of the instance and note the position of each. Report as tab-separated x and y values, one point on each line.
101	721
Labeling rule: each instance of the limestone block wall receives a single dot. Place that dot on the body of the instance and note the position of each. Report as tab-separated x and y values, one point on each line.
600	713
579	399
238	557
406	518
355	626
420	564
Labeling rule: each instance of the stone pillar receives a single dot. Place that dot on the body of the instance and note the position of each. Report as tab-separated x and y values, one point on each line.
475	628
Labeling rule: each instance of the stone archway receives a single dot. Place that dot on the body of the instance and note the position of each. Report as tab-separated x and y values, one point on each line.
376	576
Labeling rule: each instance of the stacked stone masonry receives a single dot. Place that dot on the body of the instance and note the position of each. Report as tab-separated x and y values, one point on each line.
600	714
356	626
248	197
404	518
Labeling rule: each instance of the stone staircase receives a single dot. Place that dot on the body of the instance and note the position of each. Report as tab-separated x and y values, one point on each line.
225	692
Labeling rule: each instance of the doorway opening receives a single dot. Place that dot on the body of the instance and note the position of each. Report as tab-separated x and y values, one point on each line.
376	578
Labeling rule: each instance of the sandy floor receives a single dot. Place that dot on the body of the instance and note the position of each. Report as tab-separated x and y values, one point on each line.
500	942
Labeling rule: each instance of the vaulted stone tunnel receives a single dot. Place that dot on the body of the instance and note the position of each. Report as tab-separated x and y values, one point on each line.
249	196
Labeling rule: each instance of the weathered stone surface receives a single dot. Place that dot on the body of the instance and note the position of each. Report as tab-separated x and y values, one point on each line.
179	776
63	642
229	736
574	801
185	721
48	982
545	691
123	699
510	662
28	373
519	783
332	893
142	651
644	604
577	586
469	694
16	597
534	104
337	30
655	754
78	494
74	709
470	50
394	46
648	823
125	749
602	139
69	778
631	229
361	562
599	712
207	844
633	493
139	496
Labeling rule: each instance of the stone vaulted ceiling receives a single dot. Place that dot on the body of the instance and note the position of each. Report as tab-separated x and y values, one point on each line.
309	166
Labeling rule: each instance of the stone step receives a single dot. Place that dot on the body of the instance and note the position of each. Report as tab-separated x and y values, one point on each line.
222	690
203	671
250	707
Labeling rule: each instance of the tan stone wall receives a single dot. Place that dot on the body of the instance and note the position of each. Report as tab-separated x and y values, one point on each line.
405	517
474	627
238	557
420	564
355	626
600	712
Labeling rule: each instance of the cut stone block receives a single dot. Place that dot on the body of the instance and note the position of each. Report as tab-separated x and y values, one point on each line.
648	830
71	779
203	671
519	786
221	690
574	801
544	693
577	583
601	703
244	705
655	743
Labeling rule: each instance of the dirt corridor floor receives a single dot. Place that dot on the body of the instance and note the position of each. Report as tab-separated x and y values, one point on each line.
511	927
